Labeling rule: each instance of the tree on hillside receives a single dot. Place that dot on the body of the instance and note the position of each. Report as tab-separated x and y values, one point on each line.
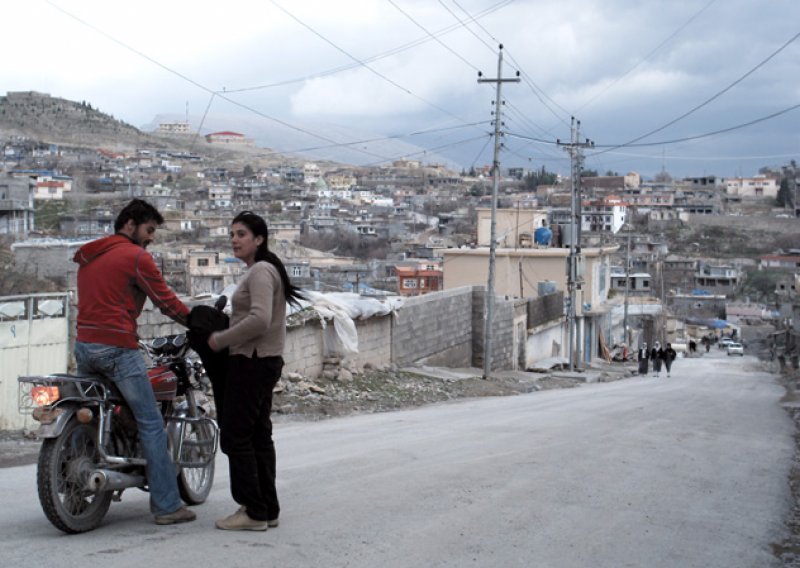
589	173
663	177
541	177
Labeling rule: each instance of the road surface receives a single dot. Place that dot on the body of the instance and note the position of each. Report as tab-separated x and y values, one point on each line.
680	472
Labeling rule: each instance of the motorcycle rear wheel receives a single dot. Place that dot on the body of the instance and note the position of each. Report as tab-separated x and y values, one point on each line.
64	466
194	483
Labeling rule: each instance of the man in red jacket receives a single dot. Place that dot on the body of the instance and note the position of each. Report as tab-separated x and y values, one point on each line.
115	277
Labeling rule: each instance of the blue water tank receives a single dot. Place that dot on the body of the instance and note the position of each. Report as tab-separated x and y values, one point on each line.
543	236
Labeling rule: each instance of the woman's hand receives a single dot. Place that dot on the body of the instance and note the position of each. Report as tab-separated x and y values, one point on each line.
212	343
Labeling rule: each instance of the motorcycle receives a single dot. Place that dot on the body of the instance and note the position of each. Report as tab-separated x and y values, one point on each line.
90	448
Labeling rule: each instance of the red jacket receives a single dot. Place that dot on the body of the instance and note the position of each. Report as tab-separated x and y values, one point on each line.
114	279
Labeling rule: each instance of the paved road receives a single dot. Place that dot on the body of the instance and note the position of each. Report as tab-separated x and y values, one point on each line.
690	471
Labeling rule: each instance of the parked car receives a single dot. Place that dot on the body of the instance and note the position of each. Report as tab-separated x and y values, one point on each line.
735	349
724	342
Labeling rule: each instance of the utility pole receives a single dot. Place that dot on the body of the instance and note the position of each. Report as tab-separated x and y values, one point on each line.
627	289
498	110
574	148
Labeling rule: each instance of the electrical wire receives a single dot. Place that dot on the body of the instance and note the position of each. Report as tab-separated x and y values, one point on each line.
715	96
648	56
537	91
384	138
364	64
698	136
394	51
435	149
199	85
432	36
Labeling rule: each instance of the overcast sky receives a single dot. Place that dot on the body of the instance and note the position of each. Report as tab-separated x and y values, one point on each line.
377	68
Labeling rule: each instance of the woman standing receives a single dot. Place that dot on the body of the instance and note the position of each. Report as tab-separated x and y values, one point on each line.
255	339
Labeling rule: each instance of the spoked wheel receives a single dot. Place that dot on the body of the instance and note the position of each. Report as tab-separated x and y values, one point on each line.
64	467
194	482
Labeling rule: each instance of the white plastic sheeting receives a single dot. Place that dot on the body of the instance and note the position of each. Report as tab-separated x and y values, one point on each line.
342	308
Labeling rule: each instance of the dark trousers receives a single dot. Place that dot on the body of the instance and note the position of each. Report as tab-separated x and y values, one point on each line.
246	433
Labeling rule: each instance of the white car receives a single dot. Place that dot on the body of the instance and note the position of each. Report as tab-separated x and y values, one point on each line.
735	349
724	342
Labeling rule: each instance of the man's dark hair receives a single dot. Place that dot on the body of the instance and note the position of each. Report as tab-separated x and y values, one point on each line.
140	211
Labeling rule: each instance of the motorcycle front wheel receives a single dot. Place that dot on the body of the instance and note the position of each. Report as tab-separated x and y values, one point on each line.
64	466
194	483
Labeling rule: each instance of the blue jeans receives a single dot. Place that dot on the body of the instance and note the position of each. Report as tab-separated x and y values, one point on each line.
126	368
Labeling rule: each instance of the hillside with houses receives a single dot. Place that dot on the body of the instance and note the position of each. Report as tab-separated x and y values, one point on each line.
672	255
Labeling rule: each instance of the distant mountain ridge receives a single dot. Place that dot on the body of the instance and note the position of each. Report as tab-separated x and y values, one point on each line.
45	118
60	121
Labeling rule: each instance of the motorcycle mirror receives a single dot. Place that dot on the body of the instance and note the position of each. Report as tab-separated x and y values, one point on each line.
221	302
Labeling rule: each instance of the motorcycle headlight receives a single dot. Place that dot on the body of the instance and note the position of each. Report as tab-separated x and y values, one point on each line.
44	396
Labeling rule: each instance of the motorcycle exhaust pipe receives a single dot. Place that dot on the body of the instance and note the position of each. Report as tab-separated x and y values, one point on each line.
107	480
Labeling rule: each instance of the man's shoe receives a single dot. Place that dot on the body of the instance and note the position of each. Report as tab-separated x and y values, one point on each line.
239	521
182	515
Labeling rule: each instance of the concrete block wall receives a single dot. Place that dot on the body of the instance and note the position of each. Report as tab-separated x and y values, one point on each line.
442	328
435	329
503	335
152	323
304	350
505	311
374	342
545	309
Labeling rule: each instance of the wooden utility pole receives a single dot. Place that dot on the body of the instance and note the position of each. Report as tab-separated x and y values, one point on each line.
489	313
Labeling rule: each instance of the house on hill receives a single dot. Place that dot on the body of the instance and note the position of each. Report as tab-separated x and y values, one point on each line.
228	137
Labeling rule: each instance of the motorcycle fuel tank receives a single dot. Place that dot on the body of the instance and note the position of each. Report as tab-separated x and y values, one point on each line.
163	381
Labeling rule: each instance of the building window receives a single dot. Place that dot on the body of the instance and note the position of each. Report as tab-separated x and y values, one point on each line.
296	271
202	262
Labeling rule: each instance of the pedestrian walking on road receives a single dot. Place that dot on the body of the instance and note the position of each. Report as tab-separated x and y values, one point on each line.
642	357
669	357
656	356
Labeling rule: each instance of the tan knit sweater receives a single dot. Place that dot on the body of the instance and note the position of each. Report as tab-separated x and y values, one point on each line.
258	320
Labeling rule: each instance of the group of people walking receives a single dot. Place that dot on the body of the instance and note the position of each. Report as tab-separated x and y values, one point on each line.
659	356
116	275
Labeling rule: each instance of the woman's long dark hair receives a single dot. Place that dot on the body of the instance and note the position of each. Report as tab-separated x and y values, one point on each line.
258	227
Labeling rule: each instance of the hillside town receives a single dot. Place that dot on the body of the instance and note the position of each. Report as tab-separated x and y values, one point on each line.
675	260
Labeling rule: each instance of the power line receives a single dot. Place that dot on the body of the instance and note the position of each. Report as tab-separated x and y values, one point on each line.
715	96
698	136
385	138
649	55
195	83
432	36
394	51
525	77
362	63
